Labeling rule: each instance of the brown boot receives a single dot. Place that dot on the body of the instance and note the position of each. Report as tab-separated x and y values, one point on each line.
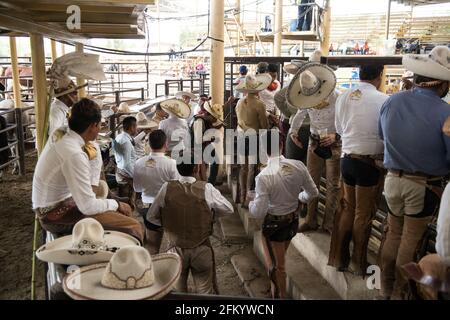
413	231
388	254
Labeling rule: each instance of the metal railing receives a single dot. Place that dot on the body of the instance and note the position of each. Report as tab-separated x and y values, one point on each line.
195	85
17	139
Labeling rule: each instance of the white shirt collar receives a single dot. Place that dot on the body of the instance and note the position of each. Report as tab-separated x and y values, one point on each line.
367	85
61	104
276	159
187	179
76	136
157	154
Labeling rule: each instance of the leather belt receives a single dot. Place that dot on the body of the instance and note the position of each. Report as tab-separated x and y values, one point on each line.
401	173
289	216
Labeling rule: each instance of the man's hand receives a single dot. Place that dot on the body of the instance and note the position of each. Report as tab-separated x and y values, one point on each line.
296	140
125	209
446	127
328	141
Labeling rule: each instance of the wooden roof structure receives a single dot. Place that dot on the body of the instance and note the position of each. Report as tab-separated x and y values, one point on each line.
99	18
420	2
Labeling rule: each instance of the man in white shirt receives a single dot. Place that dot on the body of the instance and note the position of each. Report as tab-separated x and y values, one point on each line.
150	174
62	193
281	189
186	209
267	96
175	126
357	114
323	138
60	107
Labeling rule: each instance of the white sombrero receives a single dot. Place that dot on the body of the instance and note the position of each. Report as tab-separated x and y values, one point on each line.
124	108
294	66
88	244
102	190
254	83
180	94
144	123
216	110
177	107
435	65
313	83
131	274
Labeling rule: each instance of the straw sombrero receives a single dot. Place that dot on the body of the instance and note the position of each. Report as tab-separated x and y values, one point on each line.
180	94
144	123
435	65
88	244
254	83
177	107
131	274
124	108
294	66
216	110
312	84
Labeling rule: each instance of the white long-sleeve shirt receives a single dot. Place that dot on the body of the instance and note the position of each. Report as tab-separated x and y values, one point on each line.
124	153
58	115
176	130
214	199
63	171
357	114
139	144
280	186
443	227
319	118
151	172
268	97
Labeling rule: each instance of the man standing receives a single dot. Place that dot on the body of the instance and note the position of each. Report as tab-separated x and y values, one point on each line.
243	70
186	209
324	150
279	188
357	114
417	156
60	107
175	127
251	116
150	173
62	192
124	152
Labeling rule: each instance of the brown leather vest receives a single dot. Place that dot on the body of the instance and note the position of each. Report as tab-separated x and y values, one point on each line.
186	218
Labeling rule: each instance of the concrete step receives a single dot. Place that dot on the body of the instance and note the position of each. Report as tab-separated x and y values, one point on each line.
232	229
303	281
250	224
252	274
314	246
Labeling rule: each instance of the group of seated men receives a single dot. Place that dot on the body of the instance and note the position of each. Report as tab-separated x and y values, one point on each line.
351	134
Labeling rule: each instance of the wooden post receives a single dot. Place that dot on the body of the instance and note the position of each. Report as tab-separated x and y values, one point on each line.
237	8
15	72
40	88
53	46
217	51
81	92
63	49
325	43
384	78
278	29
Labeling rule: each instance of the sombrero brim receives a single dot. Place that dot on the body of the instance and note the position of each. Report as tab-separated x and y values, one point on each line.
85	283
293	67
208	109
264	82
149	124
183	110
297	99
60	250
424	66
180	95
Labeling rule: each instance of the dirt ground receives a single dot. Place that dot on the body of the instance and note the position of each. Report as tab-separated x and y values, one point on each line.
16	237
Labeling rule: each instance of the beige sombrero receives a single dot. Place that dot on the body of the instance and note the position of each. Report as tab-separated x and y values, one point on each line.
144	123
88	244
124	108
435	65
254	83
216	110
294	66
102	190
180	94
312	84
131	274
177	107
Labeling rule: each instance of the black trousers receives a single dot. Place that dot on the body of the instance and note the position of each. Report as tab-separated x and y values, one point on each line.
358	173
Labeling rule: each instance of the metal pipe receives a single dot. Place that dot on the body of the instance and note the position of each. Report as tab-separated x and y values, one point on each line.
21	142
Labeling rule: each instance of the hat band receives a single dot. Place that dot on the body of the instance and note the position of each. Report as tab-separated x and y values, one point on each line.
311	91
87	244
112	280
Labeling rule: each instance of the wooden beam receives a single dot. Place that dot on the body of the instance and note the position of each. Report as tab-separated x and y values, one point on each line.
87	17
278	29
81	92
40	88
63	49
15	72
217	51
53	46
325	43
